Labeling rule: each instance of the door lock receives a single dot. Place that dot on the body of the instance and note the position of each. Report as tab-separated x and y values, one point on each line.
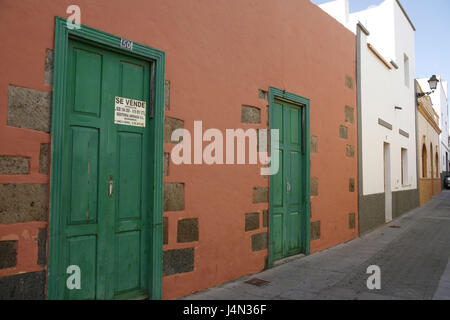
110	192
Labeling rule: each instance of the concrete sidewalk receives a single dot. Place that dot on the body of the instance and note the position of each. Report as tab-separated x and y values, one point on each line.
413	254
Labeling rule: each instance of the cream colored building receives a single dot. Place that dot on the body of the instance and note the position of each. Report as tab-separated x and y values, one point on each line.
428	146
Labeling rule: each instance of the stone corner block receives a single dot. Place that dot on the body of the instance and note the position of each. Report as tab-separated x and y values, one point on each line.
187	230
173	196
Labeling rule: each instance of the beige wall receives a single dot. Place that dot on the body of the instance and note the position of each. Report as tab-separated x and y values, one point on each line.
428	135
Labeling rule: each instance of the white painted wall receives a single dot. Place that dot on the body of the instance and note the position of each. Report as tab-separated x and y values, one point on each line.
383	89
440	104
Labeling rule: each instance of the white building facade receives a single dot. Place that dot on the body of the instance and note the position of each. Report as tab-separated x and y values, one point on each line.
440	104
388	176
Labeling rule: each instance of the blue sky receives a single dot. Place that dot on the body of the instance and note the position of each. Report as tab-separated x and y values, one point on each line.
432	21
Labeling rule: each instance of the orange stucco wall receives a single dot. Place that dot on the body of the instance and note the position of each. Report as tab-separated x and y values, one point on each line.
218	54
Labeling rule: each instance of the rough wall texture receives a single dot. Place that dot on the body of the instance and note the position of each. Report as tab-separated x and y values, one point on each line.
23	202
404	201
371	212
28	286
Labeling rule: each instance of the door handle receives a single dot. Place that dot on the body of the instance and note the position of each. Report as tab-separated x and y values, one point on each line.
110	191
288	185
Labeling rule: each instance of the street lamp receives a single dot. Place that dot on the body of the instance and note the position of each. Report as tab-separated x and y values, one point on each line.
433	81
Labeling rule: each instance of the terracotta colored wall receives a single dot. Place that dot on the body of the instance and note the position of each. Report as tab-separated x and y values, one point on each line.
218	54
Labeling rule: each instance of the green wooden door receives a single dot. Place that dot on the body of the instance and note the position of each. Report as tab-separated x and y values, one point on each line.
289	184
105	205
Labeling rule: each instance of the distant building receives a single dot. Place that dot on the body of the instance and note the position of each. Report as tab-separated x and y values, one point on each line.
385	39
439	99
428	146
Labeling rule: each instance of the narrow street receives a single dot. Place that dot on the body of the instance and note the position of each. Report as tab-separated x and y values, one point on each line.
412	252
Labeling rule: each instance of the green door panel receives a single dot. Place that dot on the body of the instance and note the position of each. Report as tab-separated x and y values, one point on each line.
288	185
104	176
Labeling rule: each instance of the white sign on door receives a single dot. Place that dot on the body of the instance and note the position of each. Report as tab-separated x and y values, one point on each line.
129	112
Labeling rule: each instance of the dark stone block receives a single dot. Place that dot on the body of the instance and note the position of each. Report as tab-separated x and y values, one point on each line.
251	221
314	145
48	73
351	185
165	230
404	201
187	230
44	158
166	95
349	82
343	132
178	261
42	247
314	187
264	95
349	114
170	125
23	203
350	151
351	221
8	254
166	164
371	212
25	286
173	196
250	115
315	230
14	165
259	241
30	109
260	195
265	218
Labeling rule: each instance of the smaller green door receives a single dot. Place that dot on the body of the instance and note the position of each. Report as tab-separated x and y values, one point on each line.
288	186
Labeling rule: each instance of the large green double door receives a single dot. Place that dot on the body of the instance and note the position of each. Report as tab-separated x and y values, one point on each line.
288	186
105	205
